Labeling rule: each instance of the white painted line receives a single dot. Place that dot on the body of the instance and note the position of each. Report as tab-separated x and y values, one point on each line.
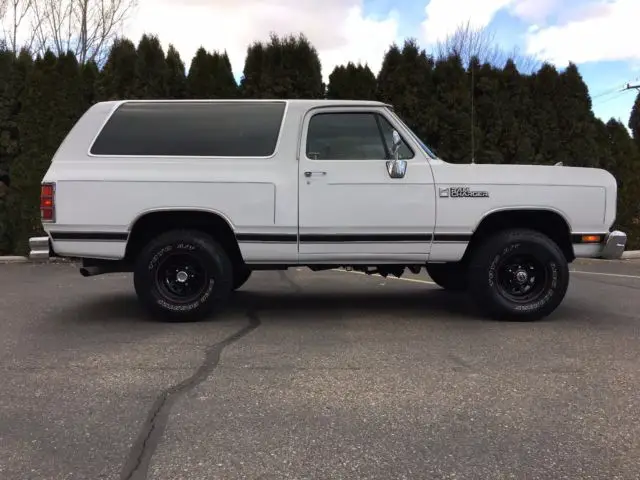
414	280
607	274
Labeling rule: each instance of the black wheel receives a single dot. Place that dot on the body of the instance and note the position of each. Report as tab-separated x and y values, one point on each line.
183	276
240	277
450	276
519	275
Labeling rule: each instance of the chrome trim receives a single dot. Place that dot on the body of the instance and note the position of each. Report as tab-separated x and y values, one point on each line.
39	248
615	243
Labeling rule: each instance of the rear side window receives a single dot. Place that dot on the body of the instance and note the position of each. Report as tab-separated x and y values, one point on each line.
192	129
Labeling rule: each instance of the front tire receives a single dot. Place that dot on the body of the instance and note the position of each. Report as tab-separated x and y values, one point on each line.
518	275
183	275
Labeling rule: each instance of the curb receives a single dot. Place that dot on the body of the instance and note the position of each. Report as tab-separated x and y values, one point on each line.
18	259
13	259
631	255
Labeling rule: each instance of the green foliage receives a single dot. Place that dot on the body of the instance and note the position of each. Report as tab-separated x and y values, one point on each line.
625	166
634	120
151	70
90	75
453	110
514	118
406	81
40	134
353	82
176	77
286	67
515	99
210	76
118	77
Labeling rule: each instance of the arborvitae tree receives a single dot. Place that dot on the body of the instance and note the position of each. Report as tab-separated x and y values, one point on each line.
352	82
546	134
39	138
453	110
118	77
151	69
70	99
406	81
226	86
515	101
488	122
90	75
8	132
253	75
634	120
12	85
575	120
283	68
176	77
625	166
210	76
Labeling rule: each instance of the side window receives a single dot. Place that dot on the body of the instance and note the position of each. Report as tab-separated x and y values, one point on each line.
405	151
192	129
345	136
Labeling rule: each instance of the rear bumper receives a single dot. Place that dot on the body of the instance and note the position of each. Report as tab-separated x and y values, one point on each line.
614	245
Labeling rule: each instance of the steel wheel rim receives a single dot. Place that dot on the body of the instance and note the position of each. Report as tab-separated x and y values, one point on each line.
522	278
181	277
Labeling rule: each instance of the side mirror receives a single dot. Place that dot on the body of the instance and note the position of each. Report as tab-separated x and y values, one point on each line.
396	168
395	147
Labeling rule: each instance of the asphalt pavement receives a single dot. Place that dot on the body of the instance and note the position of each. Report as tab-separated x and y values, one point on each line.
317	376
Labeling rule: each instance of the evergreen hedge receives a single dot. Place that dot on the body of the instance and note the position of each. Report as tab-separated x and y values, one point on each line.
540	118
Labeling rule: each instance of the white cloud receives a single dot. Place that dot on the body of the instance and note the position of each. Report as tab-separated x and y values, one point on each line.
604	32
444	16
534	10
337	28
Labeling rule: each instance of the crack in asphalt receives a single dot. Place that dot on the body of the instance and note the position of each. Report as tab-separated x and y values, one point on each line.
137	465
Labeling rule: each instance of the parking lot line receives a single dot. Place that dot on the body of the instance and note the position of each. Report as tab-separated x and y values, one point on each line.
415	280
606	274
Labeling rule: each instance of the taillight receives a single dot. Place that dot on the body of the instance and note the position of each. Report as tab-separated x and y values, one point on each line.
48	202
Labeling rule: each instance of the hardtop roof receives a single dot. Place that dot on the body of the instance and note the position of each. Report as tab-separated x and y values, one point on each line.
305	103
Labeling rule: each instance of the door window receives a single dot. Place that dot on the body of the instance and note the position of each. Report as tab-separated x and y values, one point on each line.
345	136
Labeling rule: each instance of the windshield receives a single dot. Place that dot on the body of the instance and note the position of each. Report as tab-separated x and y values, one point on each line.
424	147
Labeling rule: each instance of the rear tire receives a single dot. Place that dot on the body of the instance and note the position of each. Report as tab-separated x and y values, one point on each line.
450	276
183	275
519	275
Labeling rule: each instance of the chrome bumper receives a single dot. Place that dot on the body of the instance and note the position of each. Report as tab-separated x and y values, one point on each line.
39	248
614	245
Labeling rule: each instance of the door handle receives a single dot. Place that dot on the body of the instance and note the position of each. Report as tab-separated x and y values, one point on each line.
308	173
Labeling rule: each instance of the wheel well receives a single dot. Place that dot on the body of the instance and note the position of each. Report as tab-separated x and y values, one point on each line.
153	224
547	222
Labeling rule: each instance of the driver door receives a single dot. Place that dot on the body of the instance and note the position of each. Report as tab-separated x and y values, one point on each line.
351	205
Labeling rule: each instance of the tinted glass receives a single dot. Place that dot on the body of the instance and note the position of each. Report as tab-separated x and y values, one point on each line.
345	136
405	151
233	129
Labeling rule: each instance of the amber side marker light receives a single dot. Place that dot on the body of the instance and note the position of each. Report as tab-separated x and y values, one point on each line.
47	202
591	238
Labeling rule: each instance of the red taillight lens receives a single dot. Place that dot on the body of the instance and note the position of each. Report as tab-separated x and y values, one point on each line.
47	202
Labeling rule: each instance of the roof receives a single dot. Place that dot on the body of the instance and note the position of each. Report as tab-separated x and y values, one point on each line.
298	102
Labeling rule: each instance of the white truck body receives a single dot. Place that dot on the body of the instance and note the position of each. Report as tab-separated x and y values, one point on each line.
292	205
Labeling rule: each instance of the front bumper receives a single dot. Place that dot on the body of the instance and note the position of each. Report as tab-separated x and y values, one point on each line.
614	245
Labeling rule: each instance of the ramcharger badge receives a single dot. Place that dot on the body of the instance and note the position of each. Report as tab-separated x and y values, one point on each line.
462	192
